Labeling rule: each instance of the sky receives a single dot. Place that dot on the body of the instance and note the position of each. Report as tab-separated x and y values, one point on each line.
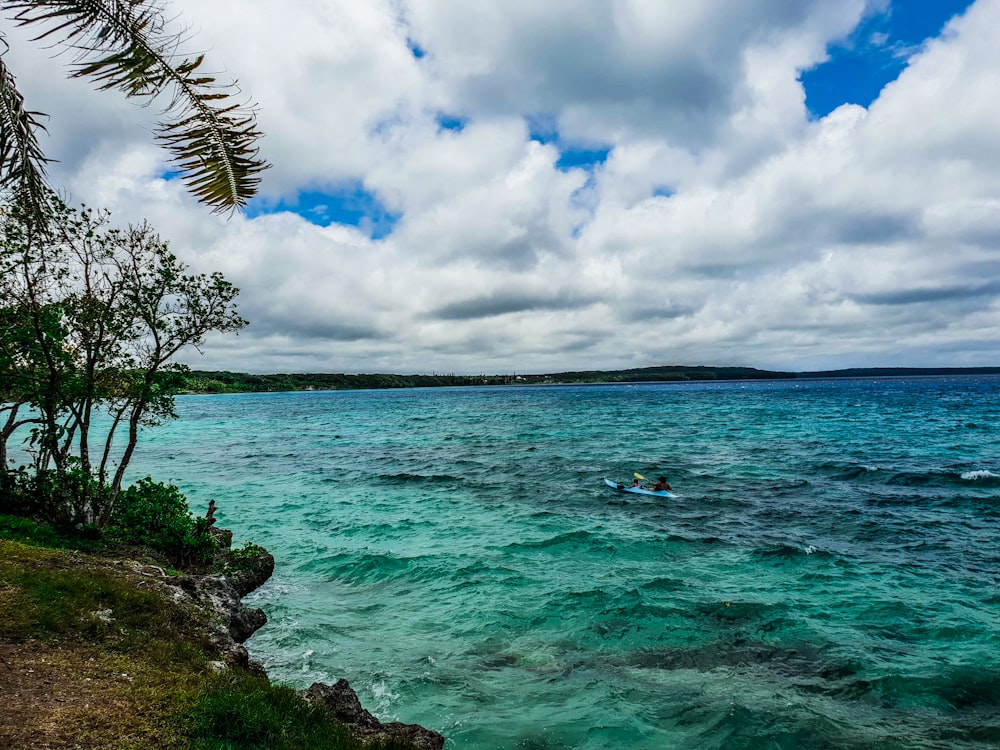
531	187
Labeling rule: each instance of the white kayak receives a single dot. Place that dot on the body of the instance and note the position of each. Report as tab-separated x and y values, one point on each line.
637	490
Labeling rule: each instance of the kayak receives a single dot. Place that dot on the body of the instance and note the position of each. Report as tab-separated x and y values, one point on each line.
638	490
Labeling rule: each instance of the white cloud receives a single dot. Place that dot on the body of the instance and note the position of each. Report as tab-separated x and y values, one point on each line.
725	226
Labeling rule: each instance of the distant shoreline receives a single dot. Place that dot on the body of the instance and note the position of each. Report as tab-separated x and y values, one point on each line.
207	381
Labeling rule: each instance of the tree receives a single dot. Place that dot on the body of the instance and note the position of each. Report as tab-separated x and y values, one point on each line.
19	359
98	313
122	44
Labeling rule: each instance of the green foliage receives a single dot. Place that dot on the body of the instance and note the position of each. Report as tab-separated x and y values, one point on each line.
238	711
91	321
201	381
26	531
248	561
70	500
52	508
128	46
156	515
246	712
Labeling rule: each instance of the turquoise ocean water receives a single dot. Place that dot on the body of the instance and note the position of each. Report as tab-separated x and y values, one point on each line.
827	578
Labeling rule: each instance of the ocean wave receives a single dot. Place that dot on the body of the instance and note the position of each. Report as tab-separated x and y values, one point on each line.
875	473
960	688
407	478
944	478
692	539
785	551
664	584
978	475
859	471
371	568
579	538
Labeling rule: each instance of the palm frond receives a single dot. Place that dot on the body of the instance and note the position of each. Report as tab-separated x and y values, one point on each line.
123	44
22	161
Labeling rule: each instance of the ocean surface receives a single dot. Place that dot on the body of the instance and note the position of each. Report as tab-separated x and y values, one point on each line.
829	576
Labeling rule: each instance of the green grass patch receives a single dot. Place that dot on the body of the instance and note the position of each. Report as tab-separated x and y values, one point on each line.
238	711
27	531
53	595
139	658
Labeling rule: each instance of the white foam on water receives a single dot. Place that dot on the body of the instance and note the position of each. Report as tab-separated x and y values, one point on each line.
383	694
978	474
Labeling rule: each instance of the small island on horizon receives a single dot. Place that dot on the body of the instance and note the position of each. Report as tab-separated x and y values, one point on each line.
209	381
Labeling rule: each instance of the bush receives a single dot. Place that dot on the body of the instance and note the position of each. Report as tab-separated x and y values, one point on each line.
156	515
69	499
12	483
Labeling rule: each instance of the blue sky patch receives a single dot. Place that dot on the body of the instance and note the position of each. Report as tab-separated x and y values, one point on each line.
875	53
544	128
415	49
570	158
351	205
451	122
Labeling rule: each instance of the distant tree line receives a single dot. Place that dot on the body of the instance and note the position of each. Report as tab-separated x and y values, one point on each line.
205	381
202	381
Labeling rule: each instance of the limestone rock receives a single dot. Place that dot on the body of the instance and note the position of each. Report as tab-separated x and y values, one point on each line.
247	568
341	700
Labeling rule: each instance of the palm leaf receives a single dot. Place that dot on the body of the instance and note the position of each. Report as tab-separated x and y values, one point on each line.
123	44
22	162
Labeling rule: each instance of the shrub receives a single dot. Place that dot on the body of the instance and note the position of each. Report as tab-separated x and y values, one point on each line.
68	499
12	483
156	515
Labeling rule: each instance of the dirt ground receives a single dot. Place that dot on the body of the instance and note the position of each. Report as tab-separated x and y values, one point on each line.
52	697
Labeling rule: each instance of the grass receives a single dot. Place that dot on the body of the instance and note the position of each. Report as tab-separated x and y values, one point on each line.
92	659
24	530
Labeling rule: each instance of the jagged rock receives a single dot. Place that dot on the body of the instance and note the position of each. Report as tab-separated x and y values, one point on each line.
245	623
341	700
247	568
230	624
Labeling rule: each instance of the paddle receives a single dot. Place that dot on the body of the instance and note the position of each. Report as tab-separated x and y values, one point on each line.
637	475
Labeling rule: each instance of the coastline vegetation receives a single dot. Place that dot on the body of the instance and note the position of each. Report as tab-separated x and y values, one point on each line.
92	658
205	381
94	651
90	321
92	318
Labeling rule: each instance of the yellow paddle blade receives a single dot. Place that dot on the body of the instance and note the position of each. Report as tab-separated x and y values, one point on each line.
638	475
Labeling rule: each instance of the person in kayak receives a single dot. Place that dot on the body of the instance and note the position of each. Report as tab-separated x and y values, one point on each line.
636	485
661	484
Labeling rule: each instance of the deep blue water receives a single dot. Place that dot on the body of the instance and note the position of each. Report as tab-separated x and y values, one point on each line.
827	578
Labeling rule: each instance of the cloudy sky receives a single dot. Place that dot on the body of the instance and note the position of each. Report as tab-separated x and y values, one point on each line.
526	186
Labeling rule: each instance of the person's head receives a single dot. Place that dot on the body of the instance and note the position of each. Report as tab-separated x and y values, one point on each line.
662	479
